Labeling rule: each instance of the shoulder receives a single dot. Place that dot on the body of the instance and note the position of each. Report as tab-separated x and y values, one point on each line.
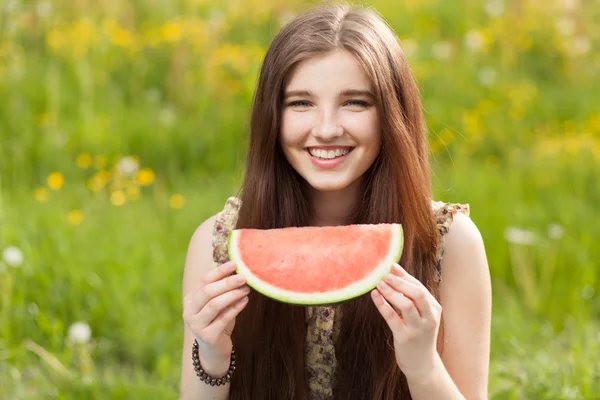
466	284
466	299
462	257
199	257
463	241
208	244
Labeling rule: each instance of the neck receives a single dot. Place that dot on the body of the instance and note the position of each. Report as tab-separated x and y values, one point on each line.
333	208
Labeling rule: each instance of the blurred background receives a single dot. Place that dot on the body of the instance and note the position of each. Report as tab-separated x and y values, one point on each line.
123	125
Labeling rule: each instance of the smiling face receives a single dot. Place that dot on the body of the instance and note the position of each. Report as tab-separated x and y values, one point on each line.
330	131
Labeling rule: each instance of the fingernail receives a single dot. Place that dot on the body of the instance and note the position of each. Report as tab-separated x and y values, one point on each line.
246	289
239	279
383	286
390	277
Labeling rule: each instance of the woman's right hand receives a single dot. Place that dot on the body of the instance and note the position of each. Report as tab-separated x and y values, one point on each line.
210	314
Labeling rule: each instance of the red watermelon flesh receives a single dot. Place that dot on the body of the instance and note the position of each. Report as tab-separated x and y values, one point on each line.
316	265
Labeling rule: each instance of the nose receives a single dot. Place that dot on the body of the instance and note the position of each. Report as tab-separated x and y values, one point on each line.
327	126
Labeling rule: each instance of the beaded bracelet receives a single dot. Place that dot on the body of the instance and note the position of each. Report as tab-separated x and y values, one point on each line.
204	377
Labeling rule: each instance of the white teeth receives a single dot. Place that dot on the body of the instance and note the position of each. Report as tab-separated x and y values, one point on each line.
328	154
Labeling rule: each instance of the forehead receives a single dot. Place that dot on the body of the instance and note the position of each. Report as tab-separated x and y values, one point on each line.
333	71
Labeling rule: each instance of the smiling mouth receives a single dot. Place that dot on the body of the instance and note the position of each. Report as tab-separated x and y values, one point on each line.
329	154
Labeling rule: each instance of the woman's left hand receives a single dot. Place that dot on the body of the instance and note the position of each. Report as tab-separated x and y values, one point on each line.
413	315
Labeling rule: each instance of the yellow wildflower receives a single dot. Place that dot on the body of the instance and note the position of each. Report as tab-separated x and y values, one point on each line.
55	39
145	177
41	194
56	181
171	31
117	198
177	201
95	184
133	193
84	161
100	162
75	217
43	119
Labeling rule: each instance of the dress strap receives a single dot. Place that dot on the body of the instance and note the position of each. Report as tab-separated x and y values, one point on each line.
225	223
444	215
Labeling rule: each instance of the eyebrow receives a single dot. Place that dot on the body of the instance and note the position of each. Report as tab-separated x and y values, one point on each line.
347	92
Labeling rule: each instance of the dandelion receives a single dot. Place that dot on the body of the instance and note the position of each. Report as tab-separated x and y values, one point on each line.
474	40
128	166
587	292
565	26
519	236
84	161
555	231
41	194
494	8
442	50
409	47
75	217
11	6
177	201
80	333
152	95
580	46
43	9
167	117
12	256
569	5
145	177
33	309
285	17
487	76
117	198
56	181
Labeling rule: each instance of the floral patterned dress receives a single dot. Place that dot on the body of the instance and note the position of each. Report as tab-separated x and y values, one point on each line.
322	322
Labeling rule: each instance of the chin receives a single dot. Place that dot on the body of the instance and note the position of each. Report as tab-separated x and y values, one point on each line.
329	185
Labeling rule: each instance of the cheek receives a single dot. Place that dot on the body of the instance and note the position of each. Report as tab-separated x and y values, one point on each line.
294	127
367	130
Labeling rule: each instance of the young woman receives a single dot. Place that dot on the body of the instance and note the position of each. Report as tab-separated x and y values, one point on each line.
337	137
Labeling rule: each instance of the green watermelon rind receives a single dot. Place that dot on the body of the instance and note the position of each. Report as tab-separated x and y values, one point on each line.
327	298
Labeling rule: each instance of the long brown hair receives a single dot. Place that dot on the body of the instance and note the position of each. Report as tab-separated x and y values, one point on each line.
269	336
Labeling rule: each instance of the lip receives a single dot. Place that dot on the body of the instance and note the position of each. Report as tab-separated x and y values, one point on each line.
328	164
329	147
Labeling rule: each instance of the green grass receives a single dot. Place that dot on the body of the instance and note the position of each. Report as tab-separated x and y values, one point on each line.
514	132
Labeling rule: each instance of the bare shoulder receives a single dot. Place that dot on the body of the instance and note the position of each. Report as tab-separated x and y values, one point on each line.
199	254
464	248
466	299
464	267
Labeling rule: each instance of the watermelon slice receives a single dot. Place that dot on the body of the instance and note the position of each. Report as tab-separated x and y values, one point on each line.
316	265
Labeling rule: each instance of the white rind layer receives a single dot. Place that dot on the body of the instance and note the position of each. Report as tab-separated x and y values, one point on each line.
321	298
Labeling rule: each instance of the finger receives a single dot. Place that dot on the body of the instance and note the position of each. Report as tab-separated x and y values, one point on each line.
214	289
219	324
417	293
219	303
396	299
401	272
213	275
390	315
216	274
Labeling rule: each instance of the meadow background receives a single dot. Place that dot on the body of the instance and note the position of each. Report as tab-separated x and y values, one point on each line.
123	125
